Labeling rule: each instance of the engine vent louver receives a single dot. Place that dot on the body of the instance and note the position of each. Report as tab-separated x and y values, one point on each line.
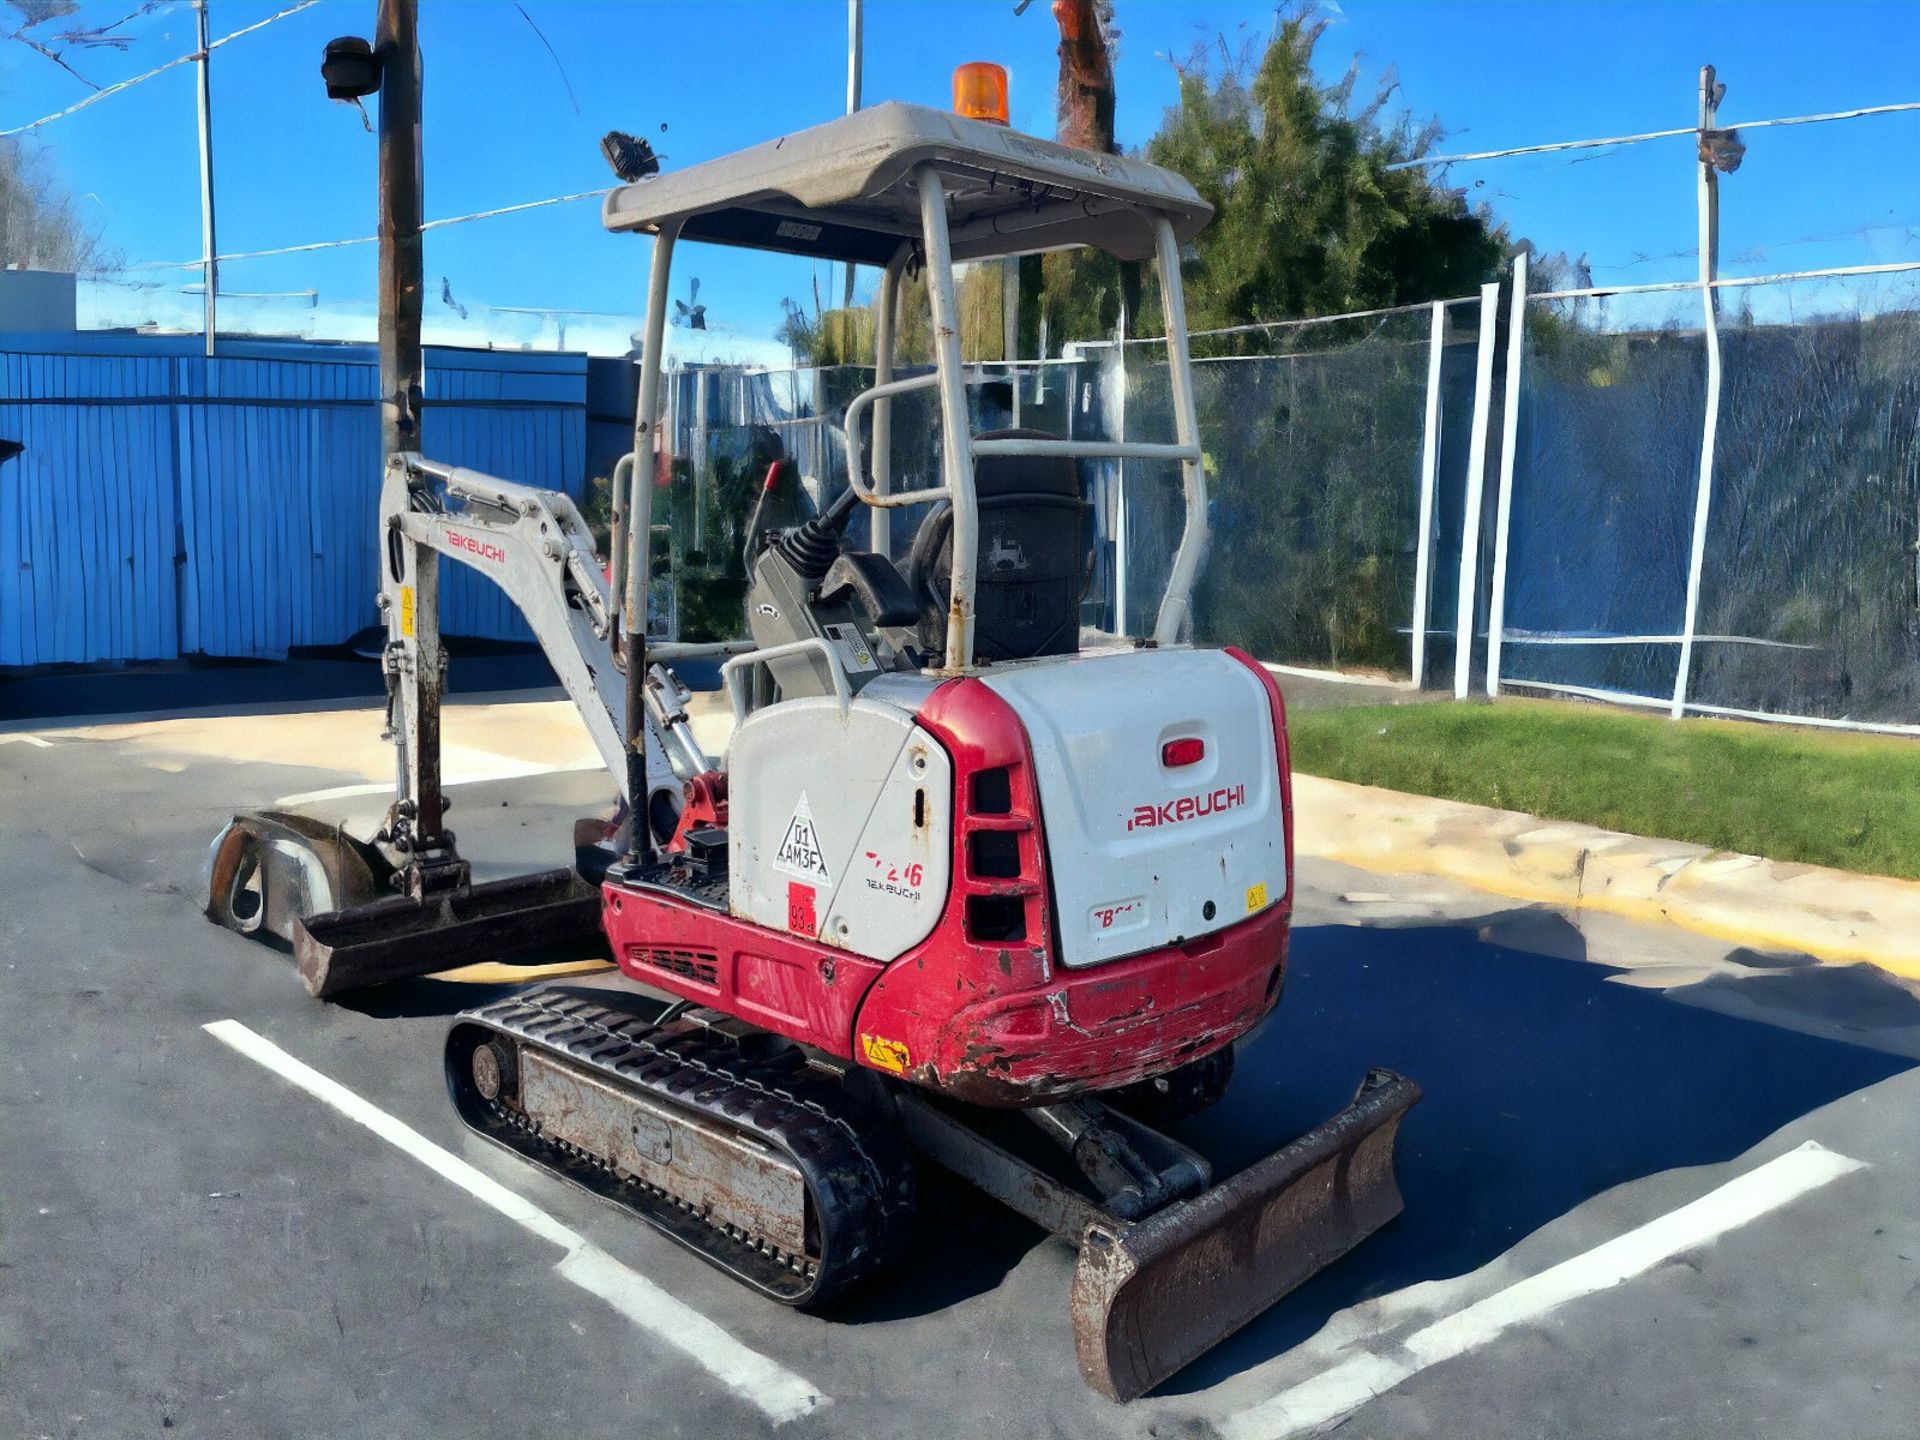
993	791
994	854
702	967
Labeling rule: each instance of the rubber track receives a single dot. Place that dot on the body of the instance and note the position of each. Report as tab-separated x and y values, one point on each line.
855	1160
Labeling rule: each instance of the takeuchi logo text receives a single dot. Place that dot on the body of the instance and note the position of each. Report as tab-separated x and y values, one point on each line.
1187	807
473	545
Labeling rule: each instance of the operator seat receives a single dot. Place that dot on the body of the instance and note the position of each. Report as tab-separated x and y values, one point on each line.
1033	554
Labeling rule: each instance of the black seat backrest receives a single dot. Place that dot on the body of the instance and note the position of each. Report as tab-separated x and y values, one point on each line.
1033	547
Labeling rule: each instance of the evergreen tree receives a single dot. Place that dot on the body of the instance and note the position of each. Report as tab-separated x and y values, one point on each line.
1308	219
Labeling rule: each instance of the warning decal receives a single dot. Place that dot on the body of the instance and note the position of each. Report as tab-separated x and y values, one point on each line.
884	1054
800	852
853	650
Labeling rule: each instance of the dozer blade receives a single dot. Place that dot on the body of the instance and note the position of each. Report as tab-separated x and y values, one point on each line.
400	937
1151	1297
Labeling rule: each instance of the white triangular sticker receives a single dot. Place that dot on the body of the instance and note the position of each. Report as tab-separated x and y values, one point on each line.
800	852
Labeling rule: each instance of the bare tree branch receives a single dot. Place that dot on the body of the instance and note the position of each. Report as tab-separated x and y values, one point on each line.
53	55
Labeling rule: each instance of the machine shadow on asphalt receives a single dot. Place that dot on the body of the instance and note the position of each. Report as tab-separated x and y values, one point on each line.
1526	1115
1545	1085
425	997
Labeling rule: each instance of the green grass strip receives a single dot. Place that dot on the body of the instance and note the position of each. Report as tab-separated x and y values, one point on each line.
1850	801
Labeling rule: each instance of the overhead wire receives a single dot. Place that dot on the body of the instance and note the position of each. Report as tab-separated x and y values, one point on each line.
1414	163
118	86
425	225
1559	145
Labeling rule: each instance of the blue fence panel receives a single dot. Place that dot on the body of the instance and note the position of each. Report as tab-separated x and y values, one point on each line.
520	417
279	474
167	504
86	510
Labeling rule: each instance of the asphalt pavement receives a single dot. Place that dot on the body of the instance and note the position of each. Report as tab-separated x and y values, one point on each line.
1654	1189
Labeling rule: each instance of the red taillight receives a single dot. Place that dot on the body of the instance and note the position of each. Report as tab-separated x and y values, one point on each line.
1183	752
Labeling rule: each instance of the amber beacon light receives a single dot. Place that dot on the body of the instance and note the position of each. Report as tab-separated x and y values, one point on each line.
980	91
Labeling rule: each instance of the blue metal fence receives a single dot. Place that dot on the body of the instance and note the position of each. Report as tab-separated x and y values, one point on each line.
167	504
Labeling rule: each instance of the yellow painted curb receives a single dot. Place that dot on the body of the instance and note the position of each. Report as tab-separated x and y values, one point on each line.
1832	915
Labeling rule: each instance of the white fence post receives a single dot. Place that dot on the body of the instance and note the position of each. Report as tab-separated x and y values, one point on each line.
1476	485
1709	206
1429	472
1509	442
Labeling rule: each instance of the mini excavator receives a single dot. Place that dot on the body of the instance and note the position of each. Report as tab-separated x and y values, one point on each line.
965	889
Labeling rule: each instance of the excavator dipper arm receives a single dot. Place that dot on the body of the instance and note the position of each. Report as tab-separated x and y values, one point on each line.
388	902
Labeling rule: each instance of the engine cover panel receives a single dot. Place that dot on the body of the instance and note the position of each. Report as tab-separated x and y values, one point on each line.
1144	854
840	824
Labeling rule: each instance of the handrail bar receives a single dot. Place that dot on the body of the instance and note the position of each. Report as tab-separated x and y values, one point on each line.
865	487
737	668
1089	449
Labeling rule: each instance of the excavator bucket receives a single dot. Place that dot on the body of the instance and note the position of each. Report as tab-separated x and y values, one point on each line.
267	868
400	937
1150	1297
284	877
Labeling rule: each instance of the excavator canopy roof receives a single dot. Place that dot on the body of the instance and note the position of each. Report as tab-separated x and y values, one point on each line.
845	191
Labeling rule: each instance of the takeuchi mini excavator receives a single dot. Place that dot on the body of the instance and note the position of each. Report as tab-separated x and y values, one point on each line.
965	889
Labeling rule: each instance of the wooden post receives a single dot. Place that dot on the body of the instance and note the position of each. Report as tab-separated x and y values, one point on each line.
1710	92
397	45
1085	118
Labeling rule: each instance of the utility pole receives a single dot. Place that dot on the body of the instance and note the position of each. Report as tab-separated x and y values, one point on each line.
415	583
1085	114
209	268
396	46
1711	92
1086	75
855	43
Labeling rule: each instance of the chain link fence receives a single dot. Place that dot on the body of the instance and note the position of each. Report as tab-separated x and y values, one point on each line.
1366	472
1800	541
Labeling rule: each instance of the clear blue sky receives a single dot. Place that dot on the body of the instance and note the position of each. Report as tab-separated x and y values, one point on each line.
501	128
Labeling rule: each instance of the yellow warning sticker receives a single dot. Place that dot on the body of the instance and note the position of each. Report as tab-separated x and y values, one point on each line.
888	1055
1256	898
406	610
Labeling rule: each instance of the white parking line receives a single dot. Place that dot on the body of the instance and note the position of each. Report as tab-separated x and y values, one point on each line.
1332	1394
779	1393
